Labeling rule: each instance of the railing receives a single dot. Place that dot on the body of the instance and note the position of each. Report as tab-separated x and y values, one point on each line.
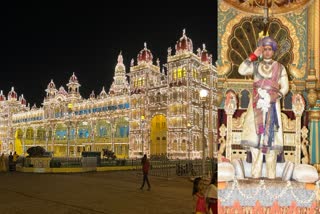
120	162
161	168
65	162
173	168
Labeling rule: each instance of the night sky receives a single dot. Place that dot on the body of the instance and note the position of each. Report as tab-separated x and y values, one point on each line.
41	41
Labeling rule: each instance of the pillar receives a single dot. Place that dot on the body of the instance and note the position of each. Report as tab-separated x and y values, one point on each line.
298	106
230	108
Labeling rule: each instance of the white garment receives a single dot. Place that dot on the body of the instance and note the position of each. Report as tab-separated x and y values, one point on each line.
249	129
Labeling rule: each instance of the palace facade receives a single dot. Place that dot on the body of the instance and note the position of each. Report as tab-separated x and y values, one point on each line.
147	110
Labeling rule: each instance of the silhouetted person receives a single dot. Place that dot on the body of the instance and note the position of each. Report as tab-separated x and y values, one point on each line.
10	158
14	159
145	170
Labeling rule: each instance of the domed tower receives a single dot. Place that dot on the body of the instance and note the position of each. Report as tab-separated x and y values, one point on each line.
12	95
49	102
186	77
103	94
2	96
73	88
184	44
22	100
205	57
92	96
209	77
145	74
120	85
145	56
51	90
144	77
208	73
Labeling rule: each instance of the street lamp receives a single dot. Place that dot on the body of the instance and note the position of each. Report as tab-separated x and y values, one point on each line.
203	97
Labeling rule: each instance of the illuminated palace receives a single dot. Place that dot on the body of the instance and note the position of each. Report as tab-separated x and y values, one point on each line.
157	112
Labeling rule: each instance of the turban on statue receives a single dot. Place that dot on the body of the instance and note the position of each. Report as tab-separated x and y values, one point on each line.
268	41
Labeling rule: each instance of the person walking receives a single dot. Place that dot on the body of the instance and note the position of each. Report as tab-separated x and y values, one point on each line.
145	170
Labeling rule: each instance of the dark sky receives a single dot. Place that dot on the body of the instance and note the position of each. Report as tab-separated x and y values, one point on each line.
41	41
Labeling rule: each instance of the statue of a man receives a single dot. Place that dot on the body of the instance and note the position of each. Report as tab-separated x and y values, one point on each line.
262	128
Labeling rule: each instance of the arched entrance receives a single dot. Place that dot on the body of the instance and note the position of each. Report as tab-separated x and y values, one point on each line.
158	132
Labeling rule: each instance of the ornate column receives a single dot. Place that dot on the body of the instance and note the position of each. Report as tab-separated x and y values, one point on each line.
314	127
75	139
92	134
46	137
312	83
142	129
53	129
304	144
313	33
113	130
298	105
222	141
230	107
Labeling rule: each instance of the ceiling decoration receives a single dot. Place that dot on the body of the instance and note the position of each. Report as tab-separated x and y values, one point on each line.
274	6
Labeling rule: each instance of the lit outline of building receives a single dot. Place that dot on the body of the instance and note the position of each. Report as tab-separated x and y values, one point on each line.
156	112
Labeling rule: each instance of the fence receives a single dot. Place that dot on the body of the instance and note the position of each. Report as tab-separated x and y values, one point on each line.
161	168
173	168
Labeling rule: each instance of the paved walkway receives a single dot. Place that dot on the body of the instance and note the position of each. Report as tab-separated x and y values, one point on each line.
94	192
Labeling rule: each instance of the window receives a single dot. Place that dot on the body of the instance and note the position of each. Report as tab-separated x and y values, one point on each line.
163	124
179	73
195	73
184	72
174	74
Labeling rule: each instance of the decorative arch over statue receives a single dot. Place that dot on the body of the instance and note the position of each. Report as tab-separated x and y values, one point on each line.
244	39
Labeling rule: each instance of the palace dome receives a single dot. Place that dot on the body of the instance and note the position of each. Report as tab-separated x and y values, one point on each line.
145	55
184	43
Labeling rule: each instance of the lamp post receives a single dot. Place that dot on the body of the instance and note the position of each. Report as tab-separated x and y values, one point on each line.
203	96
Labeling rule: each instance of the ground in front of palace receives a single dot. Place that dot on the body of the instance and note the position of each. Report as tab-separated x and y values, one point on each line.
103	192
